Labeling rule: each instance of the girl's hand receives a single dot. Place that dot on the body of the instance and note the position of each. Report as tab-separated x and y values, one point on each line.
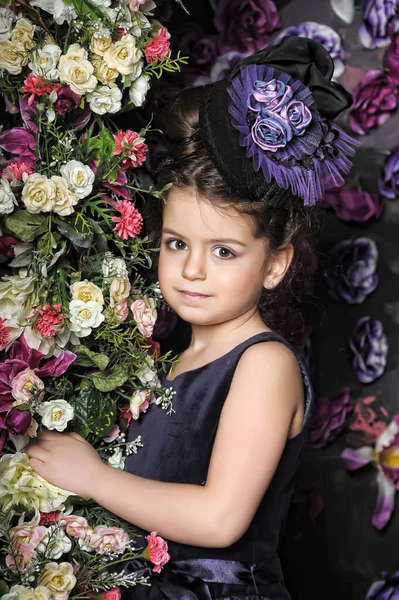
66	460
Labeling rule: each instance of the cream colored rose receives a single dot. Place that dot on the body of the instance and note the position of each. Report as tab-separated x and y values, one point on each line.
23	33
6	21
80	177
77	71
38	193
105	100
123	55
119	290
139	89
100	42
86	291
59	579
103	73
44	62
39	593
13	56
84	317
55	415
113	267
7	197
65	199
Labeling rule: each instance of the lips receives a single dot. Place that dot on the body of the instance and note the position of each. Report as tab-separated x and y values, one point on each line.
189	294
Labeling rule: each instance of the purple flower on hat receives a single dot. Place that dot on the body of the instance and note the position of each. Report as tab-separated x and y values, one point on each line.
384	457
298	115
386	589
353	204
352	275
378	16
323	34
269	95
388	183
329	418
373	101
271	131
370	349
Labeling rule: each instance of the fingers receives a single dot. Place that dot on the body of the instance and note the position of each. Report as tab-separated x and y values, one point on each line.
50	436
77	437
37	452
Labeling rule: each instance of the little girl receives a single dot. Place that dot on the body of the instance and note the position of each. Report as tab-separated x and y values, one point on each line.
215	478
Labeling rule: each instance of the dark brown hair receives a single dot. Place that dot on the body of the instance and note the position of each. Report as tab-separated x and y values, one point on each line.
189	164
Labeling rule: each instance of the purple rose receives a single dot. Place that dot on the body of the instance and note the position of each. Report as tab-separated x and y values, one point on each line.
192	41
373	101
298	115
353	204
378	16
329	418
352	275
271	132
18	421
370	350
324	35
387	589
269	95
246	25
388	183
391	59
66	101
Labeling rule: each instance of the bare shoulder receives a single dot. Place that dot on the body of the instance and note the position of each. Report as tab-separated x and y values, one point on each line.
269	357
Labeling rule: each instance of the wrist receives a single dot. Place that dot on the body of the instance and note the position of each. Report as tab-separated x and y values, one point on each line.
98	481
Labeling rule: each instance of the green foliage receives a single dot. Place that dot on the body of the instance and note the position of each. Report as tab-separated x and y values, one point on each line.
107	381
169	65
79	232
25	225
88	358
101	412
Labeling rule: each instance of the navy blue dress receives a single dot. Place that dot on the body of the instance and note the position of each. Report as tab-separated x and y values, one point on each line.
177	448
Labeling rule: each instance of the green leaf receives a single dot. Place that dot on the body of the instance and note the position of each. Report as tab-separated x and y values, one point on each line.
100	239
111	379
80	419
88	358
101	412
80	239
4	589
25	225
22	260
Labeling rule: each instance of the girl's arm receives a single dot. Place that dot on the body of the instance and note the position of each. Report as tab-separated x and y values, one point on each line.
265	395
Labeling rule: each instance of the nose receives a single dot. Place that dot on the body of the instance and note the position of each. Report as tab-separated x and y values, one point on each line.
194	266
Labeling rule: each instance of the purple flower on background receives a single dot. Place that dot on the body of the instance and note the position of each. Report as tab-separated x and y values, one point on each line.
352	275
387	589
221	68
378	16
66	101
19	141
388	182
370	349
391	59
192	40
323	34
329	418
353	204
384	458
373	101
246	25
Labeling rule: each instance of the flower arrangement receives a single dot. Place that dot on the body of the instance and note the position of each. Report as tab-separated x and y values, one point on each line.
76	313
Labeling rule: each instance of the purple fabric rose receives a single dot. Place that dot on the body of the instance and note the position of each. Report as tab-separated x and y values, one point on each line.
66	101
324	35
269	95
353	204
352	275
386	589
246	25
370	350
388	183
391	59
329	418
271	132
373	101
298	115
378	16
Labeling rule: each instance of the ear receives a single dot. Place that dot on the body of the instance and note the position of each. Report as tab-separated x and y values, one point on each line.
278	265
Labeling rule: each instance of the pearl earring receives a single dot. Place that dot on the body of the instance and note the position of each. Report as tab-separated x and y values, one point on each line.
270	285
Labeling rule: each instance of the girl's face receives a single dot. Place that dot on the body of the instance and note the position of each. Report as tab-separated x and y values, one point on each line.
212	268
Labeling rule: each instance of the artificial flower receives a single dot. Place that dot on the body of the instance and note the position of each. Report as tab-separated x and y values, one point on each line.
131	146
23	33
25	385
8	201
138	90
378	17
77	71
103	72
39	193
75	526
369	347
7	18
138	403
158	48
130	222
145	315
117	459
56	414
55	542
119	290
65	199
123	55
388	183
4	334
13	56
105	100
105	540
47	319
59	579
44	62
85	316
100	41
16	171
86	291
157	551
80	177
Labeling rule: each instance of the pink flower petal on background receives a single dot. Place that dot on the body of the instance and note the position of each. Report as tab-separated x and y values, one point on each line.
385	501
57	366
18	141
28	113
355	459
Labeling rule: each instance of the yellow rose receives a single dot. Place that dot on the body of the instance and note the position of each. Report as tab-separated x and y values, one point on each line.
119	290
77	71
58	579
39	593
23	33
123	55
100	42
13	56
86	291
38	194
103	73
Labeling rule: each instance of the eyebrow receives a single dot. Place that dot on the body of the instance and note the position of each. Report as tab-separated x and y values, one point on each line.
218	240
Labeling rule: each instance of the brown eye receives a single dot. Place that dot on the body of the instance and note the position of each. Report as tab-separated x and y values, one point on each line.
176	244
223	252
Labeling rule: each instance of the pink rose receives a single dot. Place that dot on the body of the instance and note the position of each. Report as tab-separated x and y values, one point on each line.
138	403
76	526
374	99
158	48
113	434
25	384
156	551
122	311
134	5
109	540
24	539
114	594
144	316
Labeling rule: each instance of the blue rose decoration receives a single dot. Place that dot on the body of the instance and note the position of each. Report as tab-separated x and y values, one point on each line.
271	132
387	589
370	350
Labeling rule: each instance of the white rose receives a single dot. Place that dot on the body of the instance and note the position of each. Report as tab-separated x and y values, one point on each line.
13	56
134	74
14	593
119	290
23	33
55	542
55	415
44	62
80	177
7	198
85	316
38	193
147	375
139	89
113	267
17	296
60	11
105	100
77	71
117	460
6	21
39	593
76	52
59	579
100	42
65	200
86	291
120	16
123	55
103	73
142	25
